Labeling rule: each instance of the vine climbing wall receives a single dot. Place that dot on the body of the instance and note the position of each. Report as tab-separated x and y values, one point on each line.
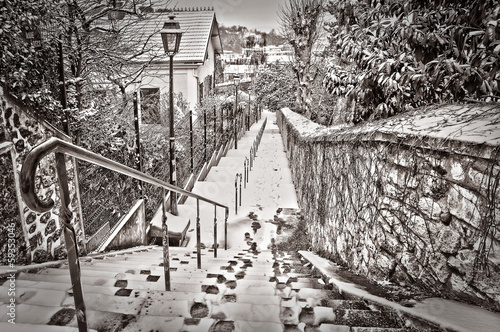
412	199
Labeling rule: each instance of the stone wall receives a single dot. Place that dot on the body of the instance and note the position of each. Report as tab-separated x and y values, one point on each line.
42	230
413	199
130	230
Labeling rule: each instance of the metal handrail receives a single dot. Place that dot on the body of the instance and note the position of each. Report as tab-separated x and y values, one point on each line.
59	146
61	149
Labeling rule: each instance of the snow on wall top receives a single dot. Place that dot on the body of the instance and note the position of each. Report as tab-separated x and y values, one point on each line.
473	124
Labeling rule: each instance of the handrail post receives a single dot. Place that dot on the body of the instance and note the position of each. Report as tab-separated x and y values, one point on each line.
225	228
191	140
166	249
215	231
198	234
205	141
245	171
236	195
71	243
251	158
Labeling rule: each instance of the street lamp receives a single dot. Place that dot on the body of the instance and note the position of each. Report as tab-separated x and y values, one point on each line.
171	36
236	83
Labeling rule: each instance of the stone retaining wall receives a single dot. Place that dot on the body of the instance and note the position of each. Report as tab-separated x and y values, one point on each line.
43	231
412	200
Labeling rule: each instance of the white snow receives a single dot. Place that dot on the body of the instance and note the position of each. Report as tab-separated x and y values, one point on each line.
269	187
447	314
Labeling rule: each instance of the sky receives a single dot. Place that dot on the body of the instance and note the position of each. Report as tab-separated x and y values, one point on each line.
254	14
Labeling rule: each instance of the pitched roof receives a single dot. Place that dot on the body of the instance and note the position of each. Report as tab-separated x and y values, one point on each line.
198	27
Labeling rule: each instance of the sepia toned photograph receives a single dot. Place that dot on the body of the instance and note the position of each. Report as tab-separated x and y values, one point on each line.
250	165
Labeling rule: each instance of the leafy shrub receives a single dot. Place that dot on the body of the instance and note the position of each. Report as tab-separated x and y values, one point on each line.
392	55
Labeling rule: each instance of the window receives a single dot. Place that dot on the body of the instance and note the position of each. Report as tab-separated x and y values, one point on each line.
150	106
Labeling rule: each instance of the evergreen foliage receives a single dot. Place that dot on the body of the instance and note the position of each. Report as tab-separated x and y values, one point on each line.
389	56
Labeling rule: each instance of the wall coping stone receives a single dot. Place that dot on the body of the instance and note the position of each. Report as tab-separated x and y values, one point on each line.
449	128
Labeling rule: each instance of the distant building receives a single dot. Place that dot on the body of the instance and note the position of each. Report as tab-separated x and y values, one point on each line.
247	63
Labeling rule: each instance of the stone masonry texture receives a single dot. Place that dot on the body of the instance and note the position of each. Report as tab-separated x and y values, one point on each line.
413	199
44	231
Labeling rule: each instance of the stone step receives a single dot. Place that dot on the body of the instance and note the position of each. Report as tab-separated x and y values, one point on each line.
226	269
223	174
6	326
142	275
385	329
177	227
149	323
105	314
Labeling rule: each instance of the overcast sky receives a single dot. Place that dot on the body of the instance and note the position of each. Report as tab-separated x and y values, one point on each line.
260	14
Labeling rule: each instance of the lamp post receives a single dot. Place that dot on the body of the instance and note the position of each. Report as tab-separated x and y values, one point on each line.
171	36
236	83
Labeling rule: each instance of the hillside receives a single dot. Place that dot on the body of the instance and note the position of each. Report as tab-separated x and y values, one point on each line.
235	38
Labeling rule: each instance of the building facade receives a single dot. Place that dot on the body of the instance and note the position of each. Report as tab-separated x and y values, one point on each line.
195	65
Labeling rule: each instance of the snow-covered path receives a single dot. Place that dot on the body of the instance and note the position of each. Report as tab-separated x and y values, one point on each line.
268	188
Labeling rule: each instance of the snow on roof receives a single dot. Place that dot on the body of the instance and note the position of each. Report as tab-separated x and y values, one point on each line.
199	26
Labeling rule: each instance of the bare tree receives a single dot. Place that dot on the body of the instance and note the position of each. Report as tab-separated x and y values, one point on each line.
106	43
300	24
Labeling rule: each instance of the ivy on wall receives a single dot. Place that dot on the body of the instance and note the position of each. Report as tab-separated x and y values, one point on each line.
411	210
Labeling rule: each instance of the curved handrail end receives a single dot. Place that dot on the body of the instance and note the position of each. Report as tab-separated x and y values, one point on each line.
28	173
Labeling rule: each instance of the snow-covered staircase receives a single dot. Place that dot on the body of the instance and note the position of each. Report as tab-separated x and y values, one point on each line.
252	286
241	290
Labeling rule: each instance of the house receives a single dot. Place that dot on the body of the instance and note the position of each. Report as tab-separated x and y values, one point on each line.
195	65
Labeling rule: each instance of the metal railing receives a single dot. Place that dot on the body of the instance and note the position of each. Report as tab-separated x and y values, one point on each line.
247	167
63	149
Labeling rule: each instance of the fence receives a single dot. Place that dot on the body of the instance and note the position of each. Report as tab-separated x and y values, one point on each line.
107	196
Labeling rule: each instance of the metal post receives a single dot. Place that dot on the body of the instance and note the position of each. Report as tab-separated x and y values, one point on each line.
166	249
223	136
205	134
249	110
71	243
225	228
247	165
215	231
191	140
198	234
235	120
236	195
245	172
62	80
138	160
241	192
173	180
215	128
251	158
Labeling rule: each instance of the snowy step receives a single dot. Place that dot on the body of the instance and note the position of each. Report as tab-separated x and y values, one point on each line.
5	326
177	227
247	312
225	269
35	296
216	191
243	151
149	323
232	162
223	174
30	314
